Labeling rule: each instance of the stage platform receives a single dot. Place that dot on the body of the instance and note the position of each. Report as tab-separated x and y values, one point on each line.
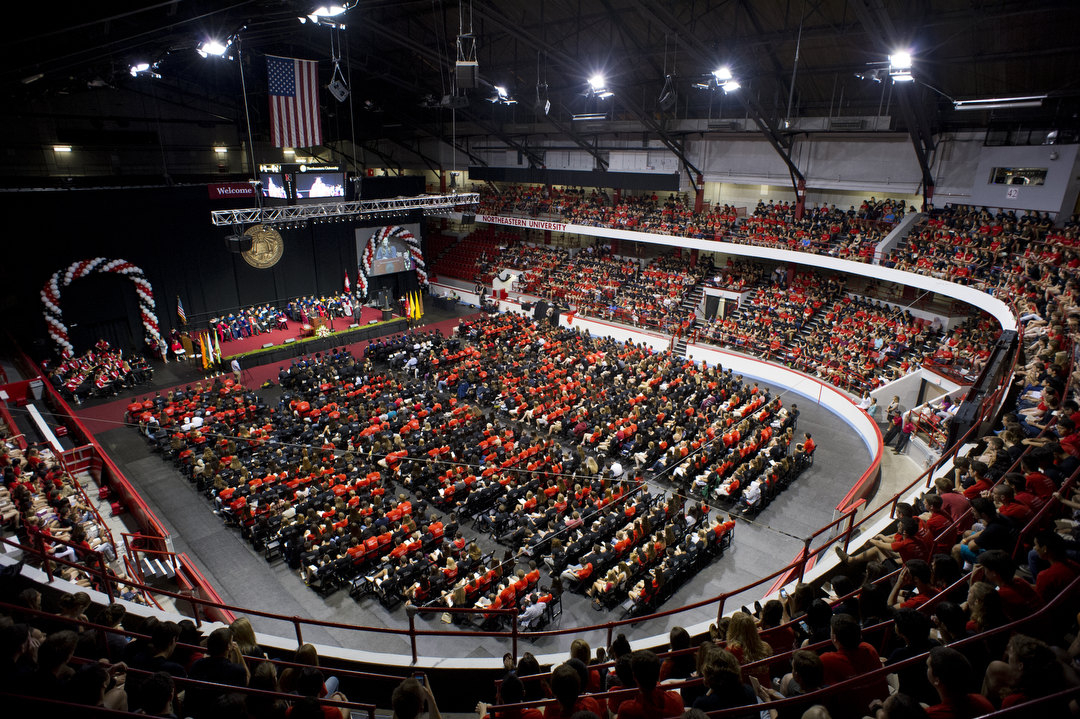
250	347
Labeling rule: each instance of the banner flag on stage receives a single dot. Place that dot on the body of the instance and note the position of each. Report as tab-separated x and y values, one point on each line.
294	102
419	305
202	350
217	347
347	289
408	307
180	311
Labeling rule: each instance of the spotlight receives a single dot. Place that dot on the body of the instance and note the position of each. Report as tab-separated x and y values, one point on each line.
731	86
900	66
722	74
502	96
61	148
598	87
212	47
140	67
900	60
221	150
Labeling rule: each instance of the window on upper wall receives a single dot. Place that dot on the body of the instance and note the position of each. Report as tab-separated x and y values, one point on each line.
1018	176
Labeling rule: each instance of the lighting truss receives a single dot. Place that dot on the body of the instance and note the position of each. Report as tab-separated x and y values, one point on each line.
340	211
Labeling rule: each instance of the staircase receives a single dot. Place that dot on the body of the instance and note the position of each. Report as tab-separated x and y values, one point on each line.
689	304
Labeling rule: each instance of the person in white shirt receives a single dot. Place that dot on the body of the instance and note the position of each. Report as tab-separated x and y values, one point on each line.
534	609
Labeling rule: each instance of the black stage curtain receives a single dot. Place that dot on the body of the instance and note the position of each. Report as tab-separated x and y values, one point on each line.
103	306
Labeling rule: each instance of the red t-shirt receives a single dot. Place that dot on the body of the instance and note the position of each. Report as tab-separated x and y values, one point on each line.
976	706
1053	580
659	705
554	710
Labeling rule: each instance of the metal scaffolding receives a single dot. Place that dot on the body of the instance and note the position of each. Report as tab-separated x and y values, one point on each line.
335	211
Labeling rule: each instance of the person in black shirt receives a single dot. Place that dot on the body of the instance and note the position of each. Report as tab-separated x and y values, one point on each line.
223	664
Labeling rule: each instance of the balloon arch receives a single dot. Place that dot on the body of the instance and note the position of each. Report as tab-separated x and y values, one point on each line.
50	297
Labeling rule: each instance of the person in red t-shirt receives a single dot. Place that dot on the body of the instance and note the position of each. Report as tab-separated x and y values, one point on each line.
566	688
1007	506
650	702
903	544
852	657
1052	581
1018	598
949	673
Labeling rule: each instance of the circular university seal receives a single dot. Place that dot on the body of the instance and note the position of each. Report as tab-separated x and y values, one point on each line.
266	247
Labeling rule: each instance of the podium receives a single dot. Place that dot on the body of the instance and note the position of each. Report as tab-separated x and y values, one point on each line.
387	314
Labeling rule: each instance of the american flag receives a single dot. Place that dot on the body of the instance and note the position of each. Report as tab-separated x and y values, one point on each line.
180	311
294	102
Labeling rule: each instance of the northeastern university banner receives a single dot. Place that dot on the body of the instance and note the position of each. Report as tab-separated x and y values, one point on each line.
523	222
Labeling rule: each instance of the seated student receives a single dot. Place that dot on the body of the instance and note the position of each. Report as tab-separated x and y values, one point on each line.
566	690
852	657
650	702
1018	598
726	688
950	674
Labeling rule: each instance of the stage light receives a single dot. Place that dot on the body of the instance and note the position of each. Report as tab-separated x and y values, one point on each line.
61	148
598	87
212	47
900	66
288	151
722	74
731	86
221	150
900	60
140	67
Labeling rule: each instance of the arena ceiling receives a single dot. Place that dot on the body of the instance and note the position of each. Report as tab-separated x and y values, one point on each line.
794	58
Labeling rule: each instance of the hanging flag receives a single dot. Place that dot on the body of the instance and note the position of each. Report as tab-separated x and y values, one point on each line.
217	347
180	311
294	102
347	289
202	350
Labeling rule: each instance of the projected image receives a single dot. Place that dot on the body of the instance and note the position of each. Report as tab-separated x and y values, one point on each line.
273	185
311	185
391	255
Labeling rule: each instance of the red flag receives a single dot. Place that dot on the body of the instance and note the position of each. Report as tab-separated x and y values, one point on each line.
294	101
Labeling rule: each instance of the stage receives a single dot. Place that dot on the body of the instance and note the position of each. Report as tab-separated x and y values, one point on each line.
247	346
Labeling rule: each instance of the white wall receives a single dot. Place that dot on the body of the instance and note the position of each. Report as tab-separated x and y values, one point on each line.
1049	197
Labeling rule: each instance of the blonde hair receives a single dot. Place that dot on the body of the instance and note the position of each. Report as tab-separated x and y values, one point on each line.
743	632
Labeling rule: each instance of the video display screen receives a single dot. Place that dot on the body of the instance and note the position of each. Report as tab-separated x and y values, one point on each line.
274	185
316	185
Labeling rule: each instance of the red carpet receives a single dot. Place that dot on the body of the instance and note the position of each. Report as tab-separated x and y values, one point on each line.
277	337
103	417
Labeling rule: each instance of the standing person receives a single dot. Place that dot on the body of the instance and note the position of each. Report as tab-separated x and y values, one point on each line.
235	365
896	423
907	428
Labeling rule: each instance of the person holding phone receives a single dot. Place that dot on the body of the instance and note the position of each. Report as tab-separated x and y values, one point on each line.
412	696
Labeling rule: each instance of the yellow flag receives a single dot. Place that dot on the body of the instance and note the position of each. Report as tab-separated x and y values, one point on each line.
419	304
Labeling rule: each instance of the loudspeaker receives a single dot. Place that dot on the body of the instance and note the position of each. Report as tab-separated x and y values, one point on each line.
238	243
468	219
338	89
353	326
290	340
467	73
268	345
